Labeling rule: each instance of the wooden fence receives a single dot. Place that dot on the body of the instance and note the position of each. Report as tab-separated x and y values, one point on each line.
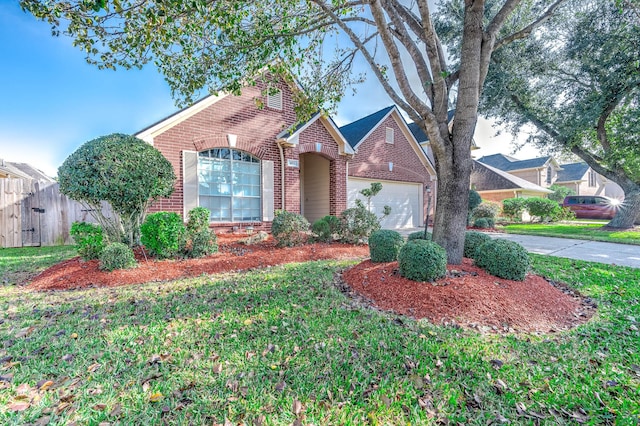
36	213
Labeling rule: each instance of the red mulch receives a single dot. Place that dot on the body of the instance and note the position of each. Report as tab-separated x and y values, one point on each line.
467	296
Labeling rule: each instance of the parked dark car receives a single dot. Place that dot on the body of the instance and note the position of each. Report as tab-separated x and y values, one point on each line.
592	206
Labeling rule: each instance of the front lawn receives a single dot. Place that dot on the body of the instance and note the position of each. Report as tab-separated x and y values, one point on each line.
282	345
17	265
579	231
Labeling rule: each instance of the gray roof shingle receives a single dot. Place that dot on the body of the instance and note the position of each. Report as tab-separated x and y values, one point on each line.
487	178
508	164
354	132
572	172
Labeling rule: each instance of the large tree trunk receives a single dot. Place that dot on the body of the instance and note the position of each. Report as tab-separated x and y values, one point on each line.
629	210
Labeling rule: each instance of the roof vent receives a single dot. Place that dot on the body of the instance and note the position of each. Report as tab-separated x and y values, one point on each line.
274	100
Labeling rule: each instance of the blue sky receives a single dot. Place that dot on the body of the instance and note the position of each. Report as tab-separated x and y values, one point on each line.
53	101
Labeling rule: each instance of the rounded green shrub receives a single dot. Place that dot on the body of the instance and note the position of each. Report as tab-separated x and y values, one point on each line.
473	240
421	260
504	259
481	222
384	245
487	210
419	235
289	229
117	256
357	224
164	234
322	231
89	238
514	207
201	240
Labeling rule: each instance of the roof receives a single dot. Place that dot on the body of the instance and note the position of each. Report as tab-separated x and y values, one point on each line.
508	164
487	178
355	132
419	134
572	172
290	136
23	171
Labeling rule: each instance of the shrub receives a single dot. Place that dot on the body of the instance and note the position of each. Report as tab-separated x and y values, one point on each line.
504	259
384	245
419	235
202	240
89	238
164	234
474	201
117	256
289	229
514	207
421	260
566	214
325	228
357	224
126	172
559	193
481	222
544	209
486	210
473	240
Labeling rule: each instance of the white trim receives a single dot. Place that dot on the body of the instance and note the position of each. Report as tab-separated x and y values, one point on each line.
375	127
162	126
389	136
343	145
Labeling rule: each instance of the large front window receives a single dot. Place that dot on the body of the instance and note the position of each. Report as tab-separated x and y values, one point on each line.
229	185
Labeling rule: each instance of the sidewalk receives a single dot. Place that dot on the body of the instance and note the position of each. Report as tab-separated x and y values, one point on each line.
594	251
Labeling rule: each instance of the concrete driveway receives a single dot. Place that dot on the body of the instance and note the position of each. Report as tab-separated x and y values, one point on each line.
594	251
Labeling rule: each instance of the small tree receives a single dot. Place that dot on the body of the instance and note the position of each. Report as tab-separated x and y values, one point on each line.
123	171
560	192
474	201
514	207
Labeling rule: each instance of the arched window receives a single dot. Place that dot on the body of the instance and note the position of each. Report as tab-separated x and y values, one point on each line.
229	185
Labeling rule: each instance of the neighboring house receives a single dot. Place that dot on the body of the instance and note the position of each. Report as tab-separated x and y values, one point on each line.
22	171
542	171
235	156
583	180
496	185
387	152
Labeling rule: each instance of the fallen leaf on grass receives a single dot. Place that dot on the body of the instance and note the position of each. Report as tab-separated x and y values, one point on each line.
260	420
500	386
280	386
74	335
297	407
24	332
100	407
19	406
42	421
93	367
217	368
247	322
155	397
116	411
6	378
68	357
44	385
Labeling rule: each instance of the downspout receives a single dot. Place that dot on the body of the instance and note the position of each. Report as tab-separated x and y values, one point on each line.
282	178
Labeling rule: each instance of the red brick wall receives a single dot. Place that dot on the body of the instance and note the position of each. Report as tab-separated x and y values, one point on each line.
256	131
374	154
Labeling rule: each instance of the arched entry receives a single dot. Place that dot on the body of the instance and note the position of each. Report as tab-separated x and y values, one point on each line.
314	186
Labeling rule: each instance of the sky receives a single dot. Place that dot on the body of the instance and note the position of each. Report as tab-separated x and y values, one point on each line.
52	101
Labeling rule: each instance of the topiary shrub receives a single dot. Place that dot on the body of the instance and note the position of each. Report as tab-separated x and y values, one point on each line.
474	201
164	234
473	240
89	238
325	228
357	224
481	222
514	207
117	256
289	229
384	245
544	209
486	210
419	235
201	240
421	260
504	259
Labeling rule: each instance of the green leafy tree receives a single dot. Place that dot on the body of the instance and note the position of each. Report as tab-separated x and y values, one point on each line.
221	45
559	193
123	171
577	84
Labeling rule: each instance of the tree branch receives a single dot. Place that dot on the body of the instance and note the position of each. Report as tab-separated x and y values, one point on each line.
526	31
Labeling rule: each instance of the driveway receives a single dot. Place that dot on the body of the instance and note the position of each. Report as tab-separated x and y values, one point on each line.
594	251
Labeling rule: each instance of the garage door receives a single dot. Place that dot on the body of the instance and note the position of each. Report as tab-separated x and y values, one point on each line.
404	198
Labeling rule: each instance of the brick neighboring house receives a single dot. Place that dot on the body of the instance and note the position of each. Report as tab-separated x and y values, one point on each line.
546	171
386	151
240	157
496	185
234	155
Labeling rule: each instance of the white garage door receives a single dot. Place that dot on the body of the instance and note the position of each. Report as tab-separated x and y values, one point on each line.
404	198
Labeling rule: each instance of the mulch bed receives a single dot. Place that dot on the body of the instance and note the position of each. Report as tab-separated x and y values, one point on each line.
468	296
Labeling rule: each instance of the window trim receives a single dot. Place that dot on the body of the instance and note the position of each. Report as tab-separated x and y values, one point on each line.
389	136
275	100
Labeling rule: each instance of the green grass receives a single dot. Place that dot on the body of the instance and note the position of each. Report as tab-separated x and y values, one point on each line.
18	265
246	347
581	231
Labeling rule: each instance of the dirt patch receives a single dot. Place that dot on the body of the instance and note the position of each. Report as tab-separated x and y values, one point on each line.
467	296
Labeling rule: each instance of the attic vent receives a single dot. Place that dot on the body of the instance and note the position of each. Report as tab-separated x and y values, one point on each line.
389	135
274	100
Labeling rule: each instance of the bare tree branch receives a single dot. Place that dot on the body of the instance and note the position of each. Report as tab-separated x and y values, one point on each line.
526	31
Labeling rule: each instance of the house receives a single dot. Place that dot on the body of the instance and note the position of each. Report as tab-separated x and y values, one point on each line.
496	185
386	151
22	171
546	171
243	157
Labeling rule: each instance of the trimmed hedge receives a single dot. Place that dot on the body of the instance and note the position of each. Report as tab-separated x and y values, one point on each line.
164	234
89	238
384	245
504	259
117	256
289	229
419	235
473	240
202	241
421	260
